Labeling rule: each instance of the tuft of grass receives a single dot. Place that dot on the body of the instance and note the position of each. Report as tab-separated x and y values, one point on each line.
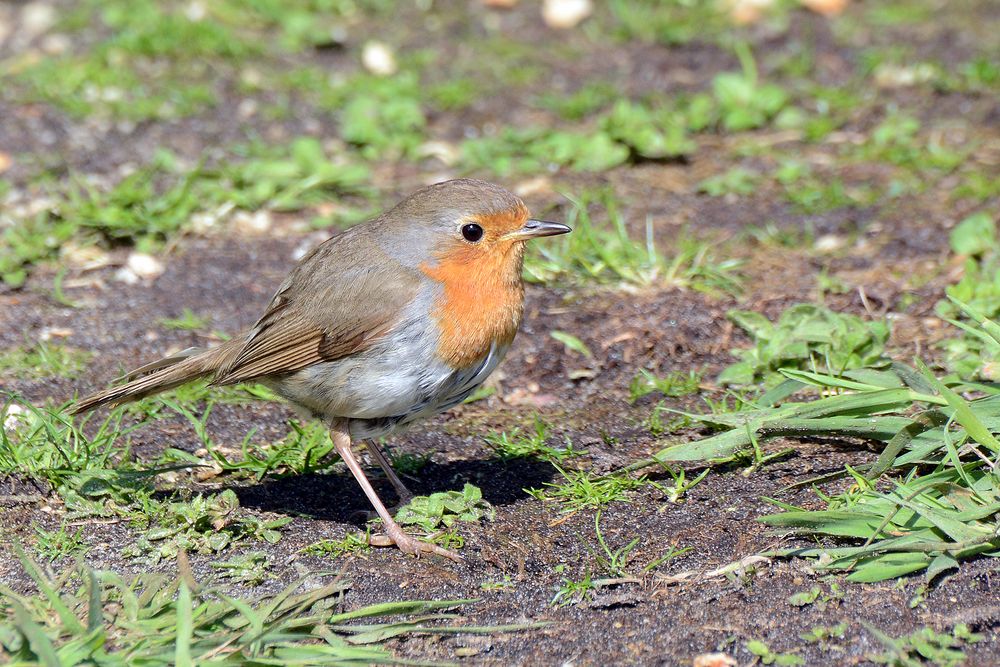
805	336
250	568
924	646
43	360
594	254
767	656
188	320
524	444
53	545
673	384
352	543
579	490
161	622
974	299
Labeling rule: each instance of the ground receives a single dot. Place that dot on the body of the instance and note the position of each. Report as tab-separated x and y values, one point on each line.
842	192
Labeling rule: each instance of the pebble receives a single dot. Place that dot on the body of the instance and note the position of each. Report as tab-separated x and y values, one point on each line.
563	14
144	266
379	59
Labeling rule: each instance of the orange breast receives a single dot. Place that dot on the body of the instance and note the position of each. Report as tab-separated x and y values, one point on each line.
481	303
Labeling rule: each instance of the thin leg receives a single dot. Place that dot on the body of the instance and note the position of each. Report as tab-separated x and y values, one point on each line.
406	543
405	495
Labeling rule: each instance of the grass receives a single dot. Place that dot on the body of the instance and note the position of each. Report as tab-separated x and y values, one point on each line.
163	621
164	198
804	336
931	499
520	443
43	360
595	254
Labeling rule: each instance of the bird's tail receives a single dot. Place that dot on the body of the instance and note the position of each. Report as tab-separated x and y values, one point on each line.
161	375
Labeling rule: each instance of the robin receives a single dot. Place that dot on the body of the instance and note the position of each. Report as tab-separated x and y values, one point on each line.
389	322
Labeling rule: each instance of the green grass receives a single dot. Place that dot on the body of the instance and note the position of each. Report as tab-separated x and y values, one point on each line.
804	336
930	501
581	490
598	254
163	199
522	443
163	621
43	360
924	646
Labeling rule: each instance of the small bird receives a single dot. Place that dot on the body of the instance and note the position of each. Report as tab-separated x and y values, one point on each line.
392	321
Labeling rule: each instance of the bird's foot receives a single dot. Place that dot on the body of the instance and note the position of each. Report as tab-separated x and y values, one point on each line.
409	544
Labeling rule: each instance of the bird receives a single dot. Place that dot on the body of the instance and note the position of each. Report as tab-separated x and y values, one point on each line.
387	323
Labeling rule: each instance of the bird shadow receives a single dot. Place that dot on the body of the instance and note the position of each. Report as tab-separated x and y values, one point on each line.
337	497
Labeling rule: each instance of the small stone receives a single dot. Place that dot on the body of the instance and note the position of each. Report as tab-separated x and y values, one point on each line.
252	222
500	4
745	12
829	243
195	11
825	7
48	333
563	14
144	266
55	45
378	58
36	18
714	660
6	161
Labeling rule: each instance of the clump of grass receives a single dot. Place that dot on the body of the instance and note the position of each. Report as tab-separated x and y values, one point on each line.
924	646
595	254
674	384
942	504
43	360
805	336
519	443
580	490
973	353
161	622
161	199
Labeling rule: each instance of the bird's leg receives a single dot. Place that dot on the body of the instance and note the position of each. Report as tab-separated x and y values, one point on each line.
405	495
407	543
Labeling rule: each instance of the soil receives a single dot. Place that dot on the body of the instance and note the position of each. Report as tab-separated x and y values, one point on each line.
230	277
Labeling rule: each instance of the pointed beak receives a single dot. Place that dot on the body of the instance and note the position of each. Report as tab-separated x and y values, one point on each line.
534	229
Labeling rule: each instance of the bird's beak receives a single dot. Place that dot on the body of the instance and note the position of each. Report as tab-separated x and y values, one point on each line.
534	229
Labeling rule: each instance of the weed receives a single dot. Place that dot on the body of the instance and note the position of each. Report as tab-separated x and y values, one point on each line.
53	545
736	181
351	543
444	508
250	568
943	649
187	321
805	336
519	444
579	490
821	634
973	353
768	657
572	592
594	254
817	597
585	101
674	384
505	584
744	102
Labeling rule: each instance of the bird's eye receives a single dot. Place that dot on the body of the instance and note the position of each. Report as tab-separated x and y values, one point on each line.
472	232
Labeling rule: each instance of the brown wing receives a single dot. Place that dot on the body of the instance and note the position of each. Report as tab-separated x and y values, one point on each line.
338	300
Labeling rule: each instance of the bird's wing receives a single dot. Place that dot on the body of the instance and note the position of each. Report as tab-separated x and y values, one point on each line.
337	301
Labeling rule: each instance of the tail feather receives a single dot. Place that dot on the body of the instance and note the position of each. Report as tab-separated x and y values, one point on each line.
165	374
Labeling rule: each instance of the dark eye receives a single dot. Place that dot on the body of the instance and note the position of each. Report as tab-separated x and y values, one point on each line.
472	232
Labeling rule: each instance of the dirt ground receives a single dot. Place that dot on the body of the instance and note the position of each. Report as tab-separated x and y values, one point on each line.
651	622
